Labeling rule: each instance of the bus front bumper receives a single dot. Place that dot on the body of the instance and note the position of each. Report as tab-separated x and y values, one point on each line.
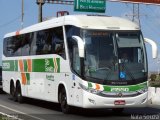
94	101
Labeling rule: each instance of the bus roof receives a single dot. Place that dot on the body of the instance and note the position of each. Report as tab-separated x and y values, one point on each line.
82	21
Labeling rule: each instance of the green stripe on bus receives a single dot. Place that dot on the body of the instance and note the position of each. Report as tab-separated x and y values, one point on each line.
16	65
90	85
8	65
25	65
45	65
28	78
38	65
49	65
130	88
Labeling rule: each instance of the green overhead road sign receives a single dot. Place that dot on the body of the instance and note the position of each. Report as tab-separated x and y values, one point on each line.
98	6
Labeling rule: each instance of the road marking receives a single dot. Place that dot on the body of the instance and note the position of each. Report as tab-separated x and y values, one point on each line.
9	116
21	112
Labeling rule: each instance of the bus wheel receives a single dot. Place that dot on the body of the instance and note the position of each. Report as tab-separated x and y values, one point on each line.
63	101
12	92
19	94
118	110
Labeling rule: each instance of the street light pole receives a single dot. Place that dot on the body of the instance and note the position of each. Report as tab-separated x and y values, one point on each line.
40	4
22	19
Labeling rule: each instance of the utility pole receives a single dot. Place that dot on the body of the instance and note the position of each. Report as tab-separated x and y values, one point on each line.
40	4
136	14
22	18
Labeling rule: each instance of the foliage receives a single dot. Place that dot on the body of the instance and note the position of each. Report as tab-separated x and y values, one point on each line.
154	80
153	77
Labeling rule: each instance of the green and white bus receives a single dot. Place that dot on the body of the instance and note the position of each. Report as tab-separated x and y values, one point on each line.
77	60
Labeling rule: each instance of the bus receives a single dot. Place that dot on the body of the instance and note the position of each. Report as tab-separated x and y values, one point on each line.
77	60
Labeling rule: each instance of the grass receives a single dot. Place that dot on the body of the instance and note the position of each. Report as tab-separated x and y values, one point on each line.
5	117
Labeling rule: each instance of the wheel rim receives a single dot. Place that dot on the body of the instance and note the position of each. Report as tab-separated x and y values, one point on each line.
63	100
12	91
19	93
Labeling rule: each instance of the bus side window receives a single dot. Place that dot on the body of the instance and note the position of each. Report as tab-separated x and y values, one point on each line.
5	47
13	46
76	60
71	31
17	45
58	42
47	44
9	46
25	44
33	46
40	41
49	41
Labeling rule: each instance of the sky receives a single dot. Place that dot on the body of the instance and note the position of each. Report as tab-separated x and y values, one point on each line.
10	19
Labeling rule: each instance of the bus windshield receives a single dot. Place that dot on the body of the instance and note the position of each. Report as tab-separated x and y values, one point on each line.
114	56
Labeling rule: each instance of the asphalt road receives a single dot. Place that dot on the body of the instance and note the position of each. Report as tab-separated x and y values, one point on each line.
40	110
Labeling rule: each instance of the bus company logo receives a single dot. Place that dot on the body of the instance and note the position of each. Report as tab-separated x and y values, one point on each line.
119	89
48	68
51	65
50	77
6	65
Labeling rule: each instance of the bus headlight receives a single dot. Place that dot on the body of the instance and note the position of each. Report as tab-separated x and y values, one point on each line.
142	90
94	91
88	89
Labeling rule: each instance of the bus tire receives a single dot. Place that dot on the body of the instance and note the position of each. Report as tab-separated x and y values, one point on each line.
118	110
19	93
63	101
12	91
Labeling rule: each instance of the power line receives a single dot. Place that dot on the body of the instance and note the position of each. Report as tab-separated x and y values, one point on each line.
149	2
148	21
10	22
59	2
153	10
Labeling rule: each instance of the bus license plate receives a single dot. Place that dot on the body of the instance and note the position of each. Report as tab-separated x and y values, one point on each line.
119	102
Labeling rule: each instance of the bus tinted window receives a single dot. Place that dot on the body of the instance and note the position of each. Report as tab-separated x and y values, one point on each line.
12	46
17	40
73	48
50	41
5	47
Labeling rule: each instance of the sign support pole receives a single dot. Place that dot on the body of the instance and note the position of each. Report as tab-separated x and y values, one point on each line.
40	4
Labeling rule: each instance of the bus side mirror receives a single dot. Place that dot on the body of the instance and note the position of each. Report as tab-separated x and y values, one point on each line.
154	47
80	45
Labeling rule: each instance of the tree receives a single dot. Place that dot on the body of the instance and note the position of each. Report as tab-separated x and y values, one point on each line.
153	77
